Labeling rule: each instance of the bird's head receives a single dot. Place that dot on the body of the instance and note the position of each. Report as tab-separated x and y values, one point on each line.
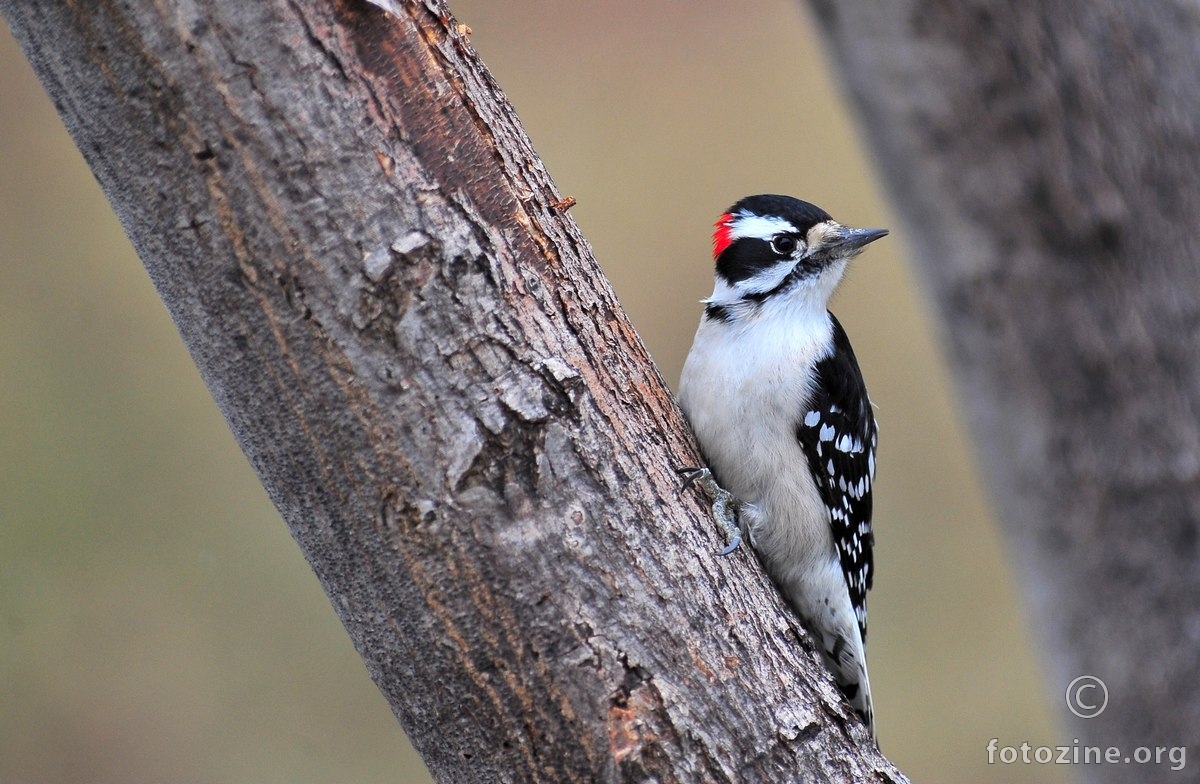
776	248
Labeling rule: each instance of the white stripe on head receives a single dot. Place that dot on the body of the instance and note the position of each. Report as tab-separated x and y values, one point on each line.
763	227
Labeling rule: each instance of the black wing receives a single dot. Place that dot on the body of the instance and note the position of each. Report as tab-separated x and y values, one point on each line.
838	434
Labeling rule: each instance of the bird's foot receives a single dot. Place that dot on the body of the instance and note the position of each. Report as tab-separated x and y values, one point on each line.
726	509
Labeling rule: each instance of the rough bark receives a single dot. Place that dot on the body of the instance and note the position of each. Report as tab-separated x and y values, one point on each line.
1043	158
421	360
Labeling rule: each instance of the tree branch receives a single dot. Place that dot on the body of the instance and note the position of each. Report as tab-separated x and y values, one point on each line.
439	391
1043	157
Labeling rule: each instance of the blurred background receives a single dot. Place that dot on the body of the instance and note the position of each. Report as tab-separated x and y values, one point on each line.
157	623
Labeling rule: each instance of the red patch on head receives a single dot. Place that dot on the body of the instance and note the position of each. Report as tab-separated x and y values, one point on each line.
723	236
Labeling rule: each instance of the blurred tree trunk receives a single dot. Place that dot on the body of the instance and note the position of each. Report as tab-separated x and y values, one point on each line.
439	390
1045	161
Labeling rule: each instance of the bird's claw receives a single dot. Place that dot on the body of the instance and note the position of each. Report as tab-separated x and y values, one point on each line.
725	508
733	545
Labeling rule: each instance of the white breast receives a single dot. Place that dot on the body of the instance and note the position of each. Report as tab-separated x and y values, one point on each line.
744	388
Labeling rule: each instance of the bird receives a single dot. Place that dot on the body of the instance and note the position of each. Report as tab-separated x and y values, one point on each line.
775	396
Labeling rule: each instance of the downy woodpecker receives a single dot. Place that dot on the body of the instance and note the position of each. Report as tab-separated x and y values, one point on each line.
774	395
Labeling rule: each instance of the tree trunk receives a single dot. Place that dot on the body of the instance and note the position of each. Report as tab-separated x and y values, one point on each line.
418	354
1043	158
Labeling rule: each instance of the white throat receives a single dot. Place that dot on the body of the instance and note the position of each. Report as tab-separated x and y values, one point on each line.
802	303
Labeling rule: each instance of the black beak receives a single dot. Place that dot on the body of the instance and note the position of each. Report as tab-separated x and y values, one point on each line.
847	239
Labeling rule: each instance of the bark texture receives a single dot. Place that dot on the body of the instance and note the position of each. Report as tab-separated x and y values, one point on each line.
1043	158
414	347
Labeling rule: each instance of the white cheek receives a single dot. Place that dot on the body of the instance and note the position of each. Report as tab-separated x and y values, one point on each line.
723	293
765	280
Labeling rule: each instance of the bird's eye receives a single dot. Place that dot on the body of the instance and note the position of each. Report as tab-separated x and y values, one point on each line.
784	244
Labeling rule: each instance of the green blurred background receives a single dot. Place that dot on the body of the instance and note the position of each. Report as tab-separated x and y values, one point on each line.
157	623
